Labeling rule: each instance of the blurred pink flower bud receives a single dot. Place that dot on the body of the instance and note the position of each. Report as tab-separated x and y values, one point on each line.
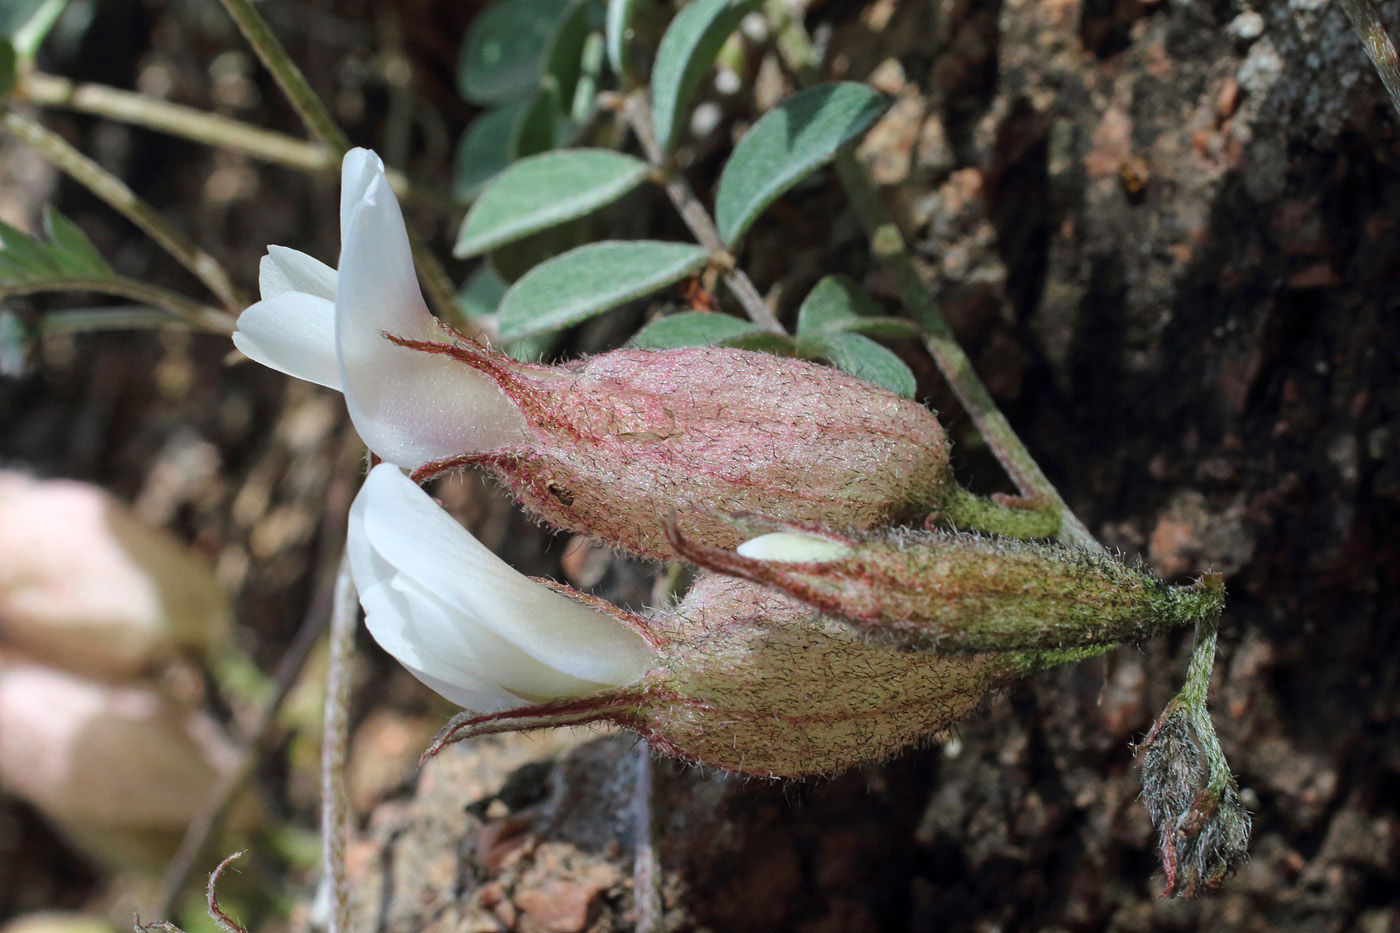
608	446
87	586
121	769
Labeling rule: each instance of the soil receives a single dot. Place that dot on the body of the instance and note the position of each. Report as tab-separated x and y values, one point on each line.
1165	232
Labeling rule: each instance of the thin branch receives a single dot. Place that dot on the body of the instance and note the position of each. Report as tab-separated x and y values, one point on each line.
1366	20
219	800
335	743
211	129
313	113
178	120
887	243
638	116
115	192
646	862
198	316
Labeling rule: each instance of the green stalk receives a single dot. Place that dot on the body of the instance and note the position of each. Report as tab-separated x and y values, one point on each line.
1366	21
115	192
313	113
177	120
196	315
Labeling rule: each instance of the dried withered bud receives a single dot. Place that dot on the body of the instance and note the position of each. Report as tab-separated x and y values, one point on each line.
618	442
1190	793
755	682
961	592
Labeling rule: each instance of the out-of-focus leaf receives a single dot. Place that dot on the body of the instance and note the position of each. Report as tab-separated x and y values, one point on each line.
504	52
690	329
861	357
545	190
590	72
26	22
16	343
481	294
486	148
500	136
832	303
9	68
619	32
564	52
71	248
762	341
69	254
591	279
686	54
512	260
788	142
29	259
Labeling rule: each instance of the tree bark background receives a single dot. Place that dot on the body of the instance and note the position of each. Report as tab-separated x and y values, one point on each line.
1167	234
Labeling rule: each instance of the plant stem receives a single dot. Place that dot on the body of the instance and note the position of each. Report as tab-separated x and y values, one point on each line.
646	863
313	113
212	129
115	192
320	123
196	315
638	116
178	120
1366	20
887	243
334	747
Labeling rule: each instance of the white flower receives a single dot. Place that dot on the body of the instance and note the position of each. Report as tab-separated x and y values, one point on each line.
330	328
463	621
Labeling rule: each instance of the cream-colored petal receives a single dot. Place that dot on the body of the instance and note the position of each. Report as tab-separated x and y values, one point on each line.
793	547
358	170
287	270
410	407
293	333
433	553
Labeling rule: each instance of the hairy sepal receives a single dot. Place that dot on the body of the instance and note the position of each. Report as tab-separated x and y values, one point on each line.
621	441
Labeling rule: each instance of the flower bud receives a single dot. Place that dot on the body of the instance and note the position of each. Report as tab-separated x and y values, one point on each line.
962	592
735	675
608	446
619	442
86	586
122	769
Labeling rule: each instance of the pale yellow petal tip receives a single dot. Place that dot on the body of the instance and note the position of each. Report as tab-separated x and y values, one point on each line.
793	547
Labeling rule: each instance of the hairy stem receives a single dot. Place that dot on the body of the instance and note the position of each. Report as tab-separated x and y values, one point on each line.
646	863
219	800
888	245
197	316
115	192
1366	20
334	747
638	116
313	112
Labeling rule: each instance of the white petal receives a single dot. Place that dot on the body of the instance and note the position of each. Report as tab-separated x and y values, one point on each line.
358	170
293	333
287	270
794	547
457	615
410	407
